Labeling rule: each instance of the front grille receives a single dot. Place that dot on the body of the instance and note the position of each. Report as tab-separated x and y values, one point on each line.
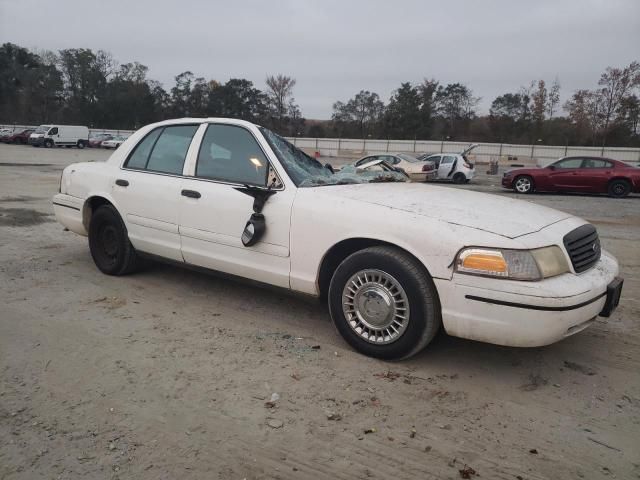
583	247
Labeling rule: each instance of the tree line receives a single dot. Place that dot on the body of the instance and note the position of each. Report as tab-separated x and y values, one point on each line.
87	87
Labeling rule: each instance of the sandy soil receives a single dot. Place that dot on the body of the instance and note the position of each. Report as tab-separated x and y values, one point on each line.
170	373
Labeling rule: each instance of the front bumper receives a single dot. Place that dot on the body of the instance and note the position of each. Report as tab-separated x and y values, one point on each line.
38	142
507	182
525	314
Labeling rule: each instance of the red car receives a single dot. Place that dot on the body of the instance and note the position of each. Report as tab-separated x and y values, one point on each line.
576	174
21	137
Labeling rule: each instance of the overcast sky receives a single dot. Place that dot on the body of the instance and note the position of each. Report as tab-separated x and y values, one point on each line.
336	48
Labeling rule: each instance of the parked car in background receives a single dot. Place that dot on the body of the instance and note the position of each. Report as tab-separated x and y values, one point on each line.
19	136
417	170
576	174
60	135
5	132
394	260
454	167
114	142
96	141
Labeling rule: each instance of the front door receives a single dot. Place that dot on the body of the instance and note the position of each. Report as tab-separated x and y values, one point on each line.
565	175
147	190
213	213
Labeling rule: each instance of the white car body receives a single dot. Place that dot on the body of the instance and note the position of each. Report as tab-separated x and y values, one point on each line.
305	225
115	142
454	167
60	135
5	132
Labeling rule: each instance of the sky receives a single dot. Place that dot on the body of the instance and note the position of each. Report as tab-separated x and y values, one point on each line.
335	48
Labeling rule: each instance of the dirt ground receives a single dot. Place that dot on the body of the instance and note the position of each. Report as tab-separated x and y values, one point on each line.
170	373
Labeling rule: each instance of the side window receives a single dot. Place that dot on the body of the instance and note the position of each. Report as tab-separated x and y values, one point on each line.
170	149
569	163
596	163
364	160
140	155
448	159
53	131
231	154
435	159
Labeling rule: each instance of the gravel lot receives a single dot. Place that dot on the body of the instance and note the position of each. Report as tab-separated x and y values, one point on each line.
168	373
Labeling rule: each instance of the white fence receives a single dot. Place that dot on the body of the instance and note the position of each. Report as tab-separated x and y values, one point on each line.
483	153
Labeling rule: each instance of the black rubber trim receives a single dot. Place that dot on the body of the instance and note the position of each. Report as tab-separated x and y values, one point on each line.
67	206
534	307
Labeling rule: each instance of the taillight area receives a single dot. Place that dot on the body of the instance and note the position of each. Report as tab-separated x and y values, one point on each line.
426	168
468	165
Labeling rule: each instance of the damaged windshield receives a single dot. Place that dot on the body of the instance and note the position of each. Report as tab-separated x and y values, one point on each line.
306	171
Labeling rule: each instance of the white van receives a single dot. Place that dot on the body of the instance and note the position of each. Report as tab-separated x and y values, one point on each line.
59	135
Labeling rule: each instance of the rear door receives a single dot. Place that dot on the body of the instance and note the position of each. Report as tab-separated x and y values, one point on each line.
595	174
213	212
447	167
147	189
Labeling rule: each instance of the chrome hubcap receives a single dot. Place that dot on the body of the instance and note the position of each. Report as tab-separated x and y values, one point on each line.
523	185
375	306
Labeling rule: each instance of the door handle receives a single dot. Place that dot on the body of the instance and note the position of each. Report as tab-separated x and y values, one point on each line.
122	183
191	194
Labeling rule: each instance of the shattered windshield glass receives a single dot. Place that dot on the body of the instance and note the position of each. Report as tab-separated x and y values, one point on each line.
306	171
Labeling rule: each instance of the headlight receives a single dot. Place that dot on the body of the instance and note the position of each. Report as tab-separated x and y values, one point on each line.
514	264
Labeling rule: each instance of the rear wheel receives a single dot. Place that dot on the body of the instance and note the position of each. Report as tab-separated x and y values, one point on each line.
81	144
619	188
384	303
109	243
459	178
523	184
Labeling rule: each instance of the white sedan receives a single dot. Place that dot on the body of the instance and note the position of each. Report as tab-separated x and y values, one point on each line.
395	261
417	170
114	142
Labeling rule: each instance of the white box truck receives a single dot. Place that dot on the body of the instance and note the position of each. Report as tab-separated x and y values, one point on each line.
60	135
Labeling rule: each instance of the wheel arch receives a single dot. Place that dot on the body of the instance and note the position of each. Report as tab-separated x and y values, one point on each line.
90	206
341	250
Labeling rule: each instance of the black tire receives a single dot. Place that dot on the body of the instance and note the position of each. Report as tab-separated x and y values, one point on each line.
48	143
459	178
618	188
424	318
520	184
81	144
109	243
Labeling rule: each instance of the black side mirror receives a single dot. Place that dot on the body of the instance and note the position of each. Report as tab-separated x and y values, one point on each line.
329	167
551	167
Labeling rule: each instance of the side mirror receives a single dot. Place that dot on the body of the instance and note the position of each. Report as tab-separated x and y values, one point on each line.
551	167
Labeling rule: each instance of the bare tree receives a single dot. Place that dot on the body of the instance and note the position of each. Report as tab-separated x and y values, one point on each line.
280	93
553	99
616	84
539	102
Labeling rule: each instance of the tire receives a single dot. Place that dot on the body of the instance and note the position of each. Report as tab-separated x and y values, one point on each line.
81	144
459	178
618	188
523	184
386	269
48	143
109	243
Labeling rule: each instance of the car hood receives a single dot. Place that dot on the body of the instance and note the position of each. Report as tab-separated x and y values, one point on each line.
491	213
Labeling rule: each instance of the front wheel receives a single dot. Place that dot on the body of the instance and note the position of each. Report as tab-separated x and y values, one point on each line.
384	303
619	188
48	143
109	243
523	184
